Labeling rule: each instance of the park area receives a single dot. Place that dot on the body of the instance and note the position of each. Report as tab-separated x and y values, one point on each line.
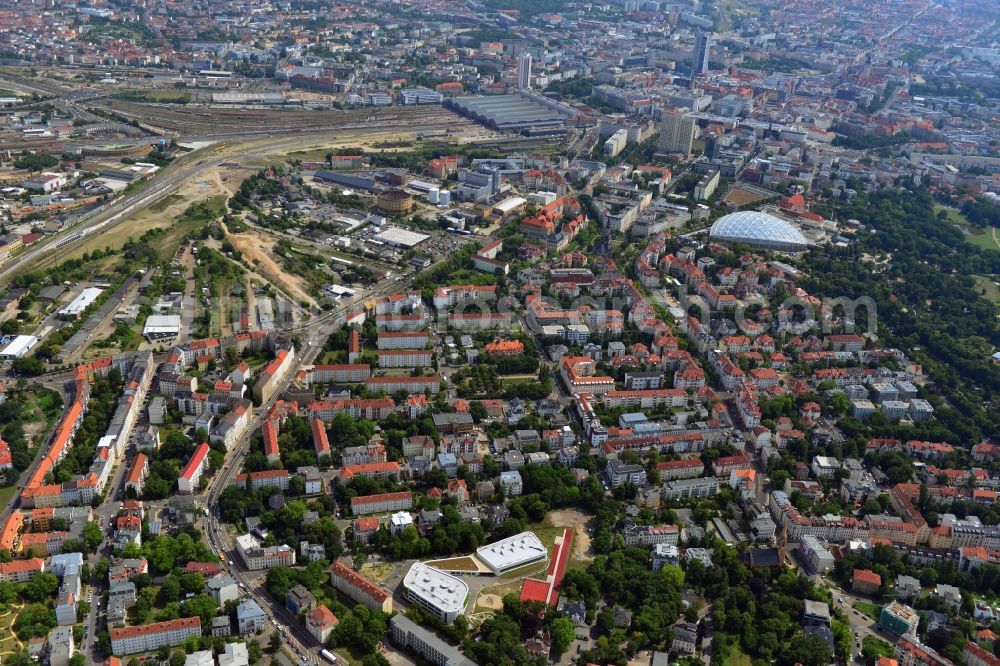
10	645
377	572
983	238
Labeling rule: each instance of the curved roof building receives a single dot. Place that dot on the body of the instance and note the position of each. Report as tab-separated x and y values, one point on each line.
512	552
441	594
759	230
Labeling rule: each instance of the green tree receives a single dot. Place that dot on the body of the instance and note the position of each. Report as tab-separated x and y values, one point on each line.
839	403
40	586
201	605
254	653
92	536
806	650
169	592
28	366
104	644
873	647
279	581
673	574
34	620
375	659
563	634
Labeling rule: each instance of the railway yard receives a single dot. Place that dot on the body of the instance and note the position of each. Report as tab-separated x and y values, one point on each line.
156	169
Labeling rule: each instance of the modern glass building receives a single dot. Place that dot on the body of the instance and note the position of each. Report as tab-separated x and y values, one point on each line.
758	230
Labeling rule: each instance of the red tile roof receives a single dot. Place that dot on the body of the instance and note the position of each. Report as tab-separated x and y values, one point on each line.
196	461
547	591
357	580
158	627
866	576
135	471
321	616
382	497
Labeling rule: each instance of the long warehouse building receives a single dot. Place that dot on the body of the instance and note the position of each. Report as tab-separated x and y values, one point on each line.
515	113
18	347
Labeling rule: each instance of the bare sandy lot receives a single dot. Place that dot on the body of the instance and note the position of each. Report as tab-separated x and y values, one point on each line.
257	249
578	521
491	601
216	182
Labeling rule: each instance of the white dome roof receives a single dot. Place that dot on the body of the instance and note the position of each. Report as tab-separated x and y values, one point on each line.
759	230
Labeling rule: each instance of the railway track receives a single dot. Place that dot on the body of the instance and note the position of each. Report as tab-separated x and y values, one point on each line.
187	120
229	150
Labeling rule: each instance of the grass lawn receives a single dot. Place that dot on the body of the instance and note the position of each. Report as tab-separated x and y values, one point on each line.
43	403
953	214
166	245
526	571
154	96
319	155
331	357
883	648
546	532
869	609
988	286
42	407
47	400
164	203
469	276
377	571
982	238
6	494
455	564
518	379
354	655
499	589
731	653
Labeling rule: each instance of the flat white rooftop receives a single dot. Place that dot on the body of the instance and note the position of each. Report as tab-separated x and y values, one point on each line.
247	542
162	324
81	302
512	552
443	591
18	347
509	204
401	519
401	237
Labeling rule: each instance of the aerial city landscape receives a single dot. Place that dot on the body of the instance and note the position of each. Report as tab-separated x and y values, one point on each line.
499	332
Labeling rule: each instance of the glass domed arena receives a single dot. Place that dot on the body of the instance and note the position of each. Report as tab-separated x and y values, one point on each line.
758	230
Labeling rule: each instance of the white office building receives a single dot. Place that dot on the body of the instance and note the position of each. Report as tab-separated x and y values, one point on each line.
524	71
442	595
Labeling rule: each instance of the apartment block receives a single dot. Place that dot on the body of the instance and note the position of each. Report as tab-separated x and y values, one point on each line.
382	503
358	588
131	640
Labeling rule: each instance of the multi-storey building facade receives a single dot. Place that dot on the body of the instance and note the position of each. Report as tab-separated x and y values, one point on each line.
360	589
381	503
131	640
